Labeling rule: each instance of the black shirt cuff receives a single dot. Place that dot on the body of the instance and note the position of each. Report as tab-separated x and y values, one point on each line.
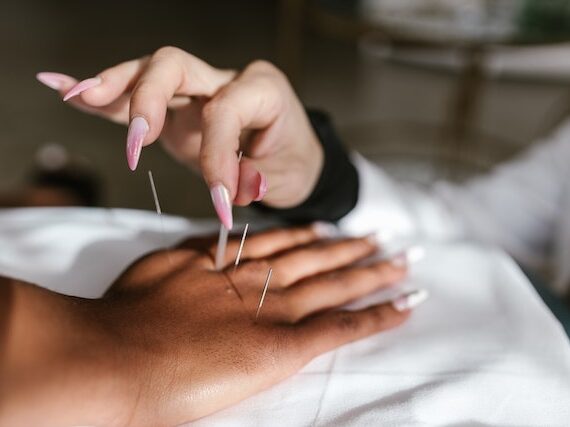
336	191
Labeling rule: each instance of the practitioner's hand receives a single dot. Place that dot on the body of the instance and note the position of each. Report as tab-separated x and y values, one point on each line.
205	116
173	340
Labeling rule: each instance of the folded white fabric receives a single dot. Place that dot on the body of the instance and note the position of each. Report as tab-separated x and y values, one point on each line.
483	350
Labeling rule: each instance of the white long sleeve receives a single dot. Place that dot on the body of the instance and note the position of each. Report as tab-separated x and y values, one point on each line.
519	206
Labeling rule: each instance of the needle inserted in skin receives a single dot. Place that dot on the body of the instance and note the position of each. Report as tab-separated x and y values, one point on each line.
238	256
158	211
263	294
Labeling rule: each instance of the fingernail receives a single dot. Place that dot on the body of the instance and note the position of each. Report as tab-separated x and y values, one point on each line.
410	300
82	86
262	187
410	256
374	239
222	204
54	80
325	230
138	128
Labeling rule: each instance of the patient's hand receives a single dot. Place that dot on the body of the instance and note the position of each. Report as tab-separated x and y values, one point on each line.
176	340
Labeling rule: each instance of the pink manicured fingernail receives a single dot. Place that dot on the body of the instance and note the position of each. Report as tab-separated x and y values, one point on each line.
410	256
82	86
138	128
262	187
410	300
54	80
222	204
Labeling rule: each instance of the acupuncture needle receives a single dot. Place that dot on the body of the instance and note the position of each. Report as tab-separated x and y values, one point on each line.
223	238
221	250
158	212
264	293
154	193
241	243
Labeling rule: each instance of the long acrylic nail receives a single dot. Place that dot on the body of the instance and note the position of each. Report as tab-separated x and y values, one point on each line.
82	86
262	188
410	300
138	128
408	257
54	80
222	204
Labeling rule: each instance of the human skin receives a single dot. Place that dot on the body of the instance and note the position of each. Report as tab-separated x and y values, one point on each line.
204	116
173	340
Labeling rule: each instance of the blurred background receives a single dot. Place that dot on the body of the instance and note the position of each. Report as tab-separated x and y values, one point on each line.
428	88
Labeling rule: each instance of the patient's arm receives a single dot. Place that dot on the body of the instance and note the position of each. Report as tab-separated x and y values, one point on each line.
173	340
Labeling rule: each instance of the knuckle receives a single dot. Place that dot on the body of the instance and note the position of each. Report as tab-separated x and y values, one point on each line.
262	65
335	279
379	270
347	322
252	270
364	245
387	271
216	108
203	259
291	304
167	52
380	316
210	110
302	235
281	274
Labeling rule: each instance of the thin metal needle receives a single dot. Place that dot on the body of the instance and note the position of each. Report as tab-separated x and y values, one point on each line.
159	212
154	193
263	294
221	250
238	256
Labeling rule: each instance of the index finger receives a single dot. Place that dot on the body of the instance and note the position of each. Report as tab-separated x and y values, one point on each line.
251	101
332	329
170	72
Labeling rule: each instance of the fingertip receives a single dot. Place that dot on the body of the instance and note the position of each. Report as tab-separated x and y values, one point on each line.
408	301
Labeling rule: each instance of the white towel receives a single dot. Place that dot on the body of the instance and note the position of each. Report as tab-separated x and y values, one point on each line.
483	350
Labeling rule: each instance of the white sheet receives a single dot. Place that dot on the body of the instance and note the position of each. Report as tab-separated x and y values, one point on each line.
483	350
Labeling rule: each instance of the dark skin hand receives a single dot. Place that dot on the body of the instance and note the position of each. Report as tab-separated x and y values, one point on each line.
173	340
